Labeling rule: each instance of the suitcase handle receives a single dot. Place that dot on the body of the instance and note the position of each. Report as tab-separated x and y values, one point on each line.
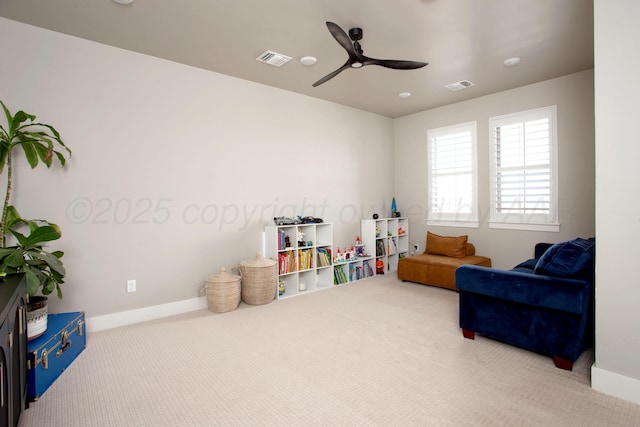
65	343
64	348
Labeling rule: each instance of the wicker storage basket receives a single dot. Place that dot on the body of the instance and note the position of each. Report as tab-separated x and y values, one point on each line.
259	280
223	292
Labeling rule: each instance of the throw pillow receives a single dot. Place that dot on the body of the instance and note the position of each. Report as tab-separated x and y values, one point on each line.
446	245
572	259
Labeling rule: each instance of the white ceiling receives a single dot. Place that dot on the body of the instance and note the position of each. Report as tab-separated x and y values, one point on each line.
460	39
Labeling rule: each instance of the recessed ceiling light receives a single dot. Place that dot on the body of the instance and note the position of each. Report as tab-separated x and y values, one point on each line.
308	60
404	95
123	1
512	62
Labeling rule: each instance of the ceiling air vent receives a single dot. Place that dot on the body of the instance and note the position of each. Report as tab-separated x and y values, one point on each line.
273	58
462	84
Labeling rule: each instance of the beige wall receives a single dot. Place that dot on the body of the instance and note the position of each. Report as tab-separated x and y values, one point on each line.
176	170
573	95
617	65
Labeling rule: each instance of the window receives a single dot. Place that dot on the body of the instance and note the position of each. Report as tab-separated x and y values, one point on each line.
524	183
452	177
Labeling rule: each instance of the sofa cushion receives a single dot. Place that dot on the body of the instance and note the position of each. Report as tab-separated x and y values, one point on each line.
446	245
571	259
527	266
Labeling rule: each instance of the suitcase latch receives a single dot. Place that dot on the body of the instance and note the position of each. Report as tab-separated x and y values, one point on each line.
44	359
80	323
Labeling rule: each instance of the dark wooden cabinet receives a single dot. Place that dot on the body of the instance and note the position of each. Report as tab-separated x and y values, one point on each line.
13	349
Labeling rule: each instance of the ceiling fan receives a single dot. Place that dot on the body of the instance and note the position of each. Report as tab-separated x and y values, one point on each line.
351	44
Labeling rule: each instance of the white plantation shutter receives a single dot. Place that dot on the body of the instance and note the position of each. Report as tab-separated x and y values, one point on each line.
452	176
523	170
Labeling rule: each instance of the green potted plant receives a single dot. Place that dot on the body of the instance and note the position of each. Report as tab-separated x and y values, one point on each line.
43	270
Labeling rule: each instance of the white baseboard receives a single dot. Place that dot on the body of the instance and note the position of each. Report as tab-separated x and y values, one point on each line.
617	385
114	320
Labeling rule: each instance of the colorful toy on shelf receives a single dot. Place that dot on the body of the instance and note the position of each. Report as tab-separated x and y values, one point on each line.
283	220
345	255
401	231
360	252
351	254
358	249
379	267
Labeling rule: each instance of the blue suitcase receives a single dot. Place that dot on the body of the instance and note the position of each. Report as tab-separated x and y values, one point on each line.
51	353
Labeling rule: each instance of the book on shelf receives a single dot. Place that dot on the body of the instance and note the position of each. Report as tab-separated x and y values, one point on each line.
281	240
355	272
380	250
305	259
367	270
324	257
286	262
338	276
393	247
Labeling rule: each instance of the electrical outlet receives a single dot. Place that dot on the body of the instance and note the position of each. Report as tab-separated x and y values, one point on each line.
131	285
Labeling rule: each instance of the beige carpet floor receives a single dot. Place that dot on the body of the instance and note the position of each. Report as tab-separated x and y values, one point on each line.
378	352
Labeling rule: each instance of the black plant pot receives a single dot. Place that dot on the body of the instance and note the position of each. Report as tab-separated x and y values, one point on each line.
37	313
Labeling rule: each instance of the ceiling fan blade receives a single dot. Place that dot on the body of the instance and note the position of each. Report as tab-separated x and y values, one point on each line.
332	75
396	65
342	38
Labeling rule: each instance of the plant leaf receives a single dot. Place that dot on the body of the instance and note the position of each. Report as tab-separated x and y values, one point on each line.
7	113
45	153
46	233
4	153
13	217
59	155
16	260
29	150
19	118
22	240
51	260
33	281
6	251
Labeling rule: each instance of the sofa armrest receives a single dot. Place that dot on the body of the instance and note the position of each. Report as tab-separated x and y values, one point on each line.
554	293
470	250
540	249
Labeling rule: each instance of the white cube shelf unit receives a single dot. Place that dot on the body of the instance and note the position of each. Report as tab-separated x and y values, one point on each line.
304	266
387	238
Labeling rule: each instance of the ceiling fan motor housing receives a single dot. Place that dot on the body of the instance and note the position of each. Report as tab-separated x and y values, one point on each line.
355	34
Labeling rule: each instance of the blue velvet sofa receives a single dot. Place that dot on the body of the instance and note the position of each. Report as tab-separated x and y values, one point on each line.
544	304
